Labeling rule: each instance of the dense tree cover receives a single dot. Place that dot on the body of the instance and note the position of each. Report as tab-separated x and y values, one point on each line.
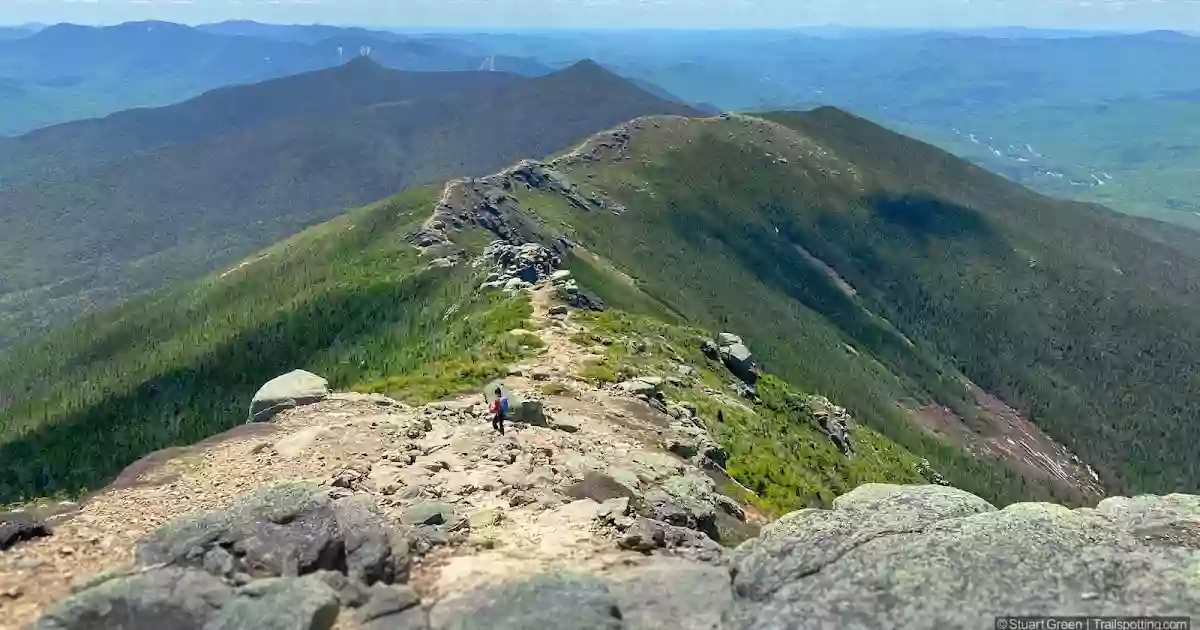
1087	326
349	300
706	285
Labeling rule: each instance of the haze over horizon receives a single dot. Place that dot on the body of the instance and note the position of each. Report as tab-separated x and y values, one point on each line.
502	14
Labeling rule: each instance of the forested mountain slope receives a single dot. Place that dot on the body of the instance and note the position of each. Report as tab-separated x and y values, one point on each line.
1058	308
81	240
720	223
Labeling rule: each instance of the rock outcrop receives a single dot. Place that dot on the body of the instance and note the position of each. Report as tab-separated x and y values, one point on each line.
283	557
834	422
738	358
314	532
520	267
936	557
20	526
284	392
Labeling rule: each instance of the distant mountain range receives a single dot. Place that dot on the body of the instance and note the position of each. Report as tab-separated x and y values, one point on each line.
100	209
1089	103
67	72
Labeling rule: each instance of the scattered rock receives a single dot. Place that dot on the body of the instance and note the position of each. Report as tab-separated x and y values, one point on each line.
349	479
560	276
710	350
387	601
16	527
435	465
515	284
558	309
350	593
613	509
429	513
643	386
834	421
485	518
584	301
598	487
285	530
728	339
284	392
645	536
925	469
519	499
566	426
694	443
530	412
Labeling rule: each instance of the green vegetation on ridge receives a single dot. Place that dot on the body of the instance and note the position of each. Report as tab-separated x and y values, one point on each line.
349	300
1086	326
775	447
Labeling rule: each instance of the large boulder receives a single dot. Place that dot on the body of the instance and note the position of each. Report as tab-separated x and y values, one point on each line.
672	593
687	501
186	599
694	443
20	526
393	608
740	361
531	412
937	557
430	513
562	601
286	530
284	392
153	600
728	339
280	604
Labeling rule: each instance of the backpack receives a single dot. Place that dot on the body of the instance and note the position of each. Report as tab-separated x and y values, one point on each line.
504	405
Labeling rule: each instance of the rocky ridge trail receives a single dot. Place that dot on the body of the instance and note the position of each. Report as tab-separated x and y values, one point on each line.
582	483
600	508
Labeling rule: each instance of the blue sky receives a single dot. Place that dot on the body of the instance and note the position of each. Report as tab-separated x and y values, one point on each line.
1104	14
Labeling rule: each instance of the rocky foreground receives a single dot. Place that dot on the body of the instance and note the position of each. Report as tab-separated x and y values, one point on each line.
601	508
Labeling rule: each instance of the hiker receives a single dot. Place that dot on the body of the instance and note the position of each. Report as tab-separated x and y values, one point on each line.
499	411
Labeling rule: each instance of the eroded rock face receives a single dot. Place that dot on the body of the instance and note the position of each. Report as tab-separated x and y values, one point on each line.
284	392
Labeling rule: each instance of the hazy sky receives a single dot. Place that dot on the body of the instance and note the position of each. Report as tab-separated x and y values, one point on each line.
1124	14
